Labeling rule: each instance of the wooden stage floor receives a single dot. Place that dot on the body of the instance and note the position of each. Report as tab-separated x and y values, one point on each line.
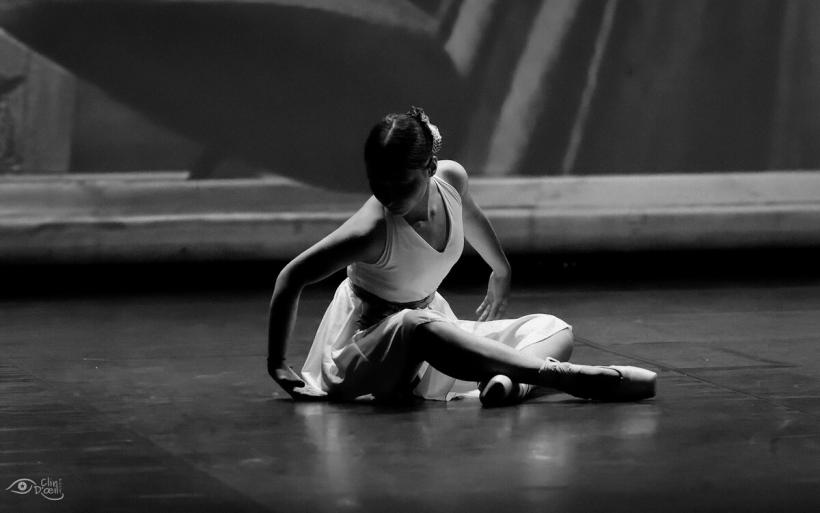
160	402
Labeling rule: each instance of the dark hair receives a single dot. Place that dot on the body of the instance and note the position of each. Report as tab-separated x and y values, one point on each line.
396	143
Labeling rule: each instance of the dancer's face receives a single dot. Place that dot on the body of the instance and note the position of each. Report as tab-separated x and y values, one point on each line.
400	191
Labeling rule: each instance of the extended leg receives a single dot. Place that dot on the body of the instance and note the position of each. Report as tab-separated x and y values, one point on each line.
469	357
465	356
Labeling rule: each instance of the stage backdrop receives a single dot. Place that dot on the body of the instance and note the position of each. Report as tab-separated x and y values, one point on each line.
534	87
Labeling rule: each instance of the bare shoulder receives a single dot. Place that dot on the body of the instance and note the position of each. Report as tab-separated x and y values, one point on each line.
365	222
359	239
366	229
453	173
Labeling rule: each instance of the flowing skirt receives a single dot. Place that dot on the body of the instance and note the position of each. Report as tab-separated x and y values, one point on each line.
347	362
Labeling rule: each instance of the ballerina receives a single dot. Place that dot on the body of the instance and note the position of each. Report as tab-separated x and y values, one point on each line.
388	333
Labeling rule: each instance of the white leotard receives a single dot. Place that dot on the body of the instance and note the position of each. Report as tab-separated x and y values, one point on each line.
409	269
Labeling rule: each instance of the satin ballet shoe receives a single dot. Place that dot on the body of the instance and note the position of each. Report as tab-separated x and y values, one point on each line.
623	383
635	384
500	390
497	391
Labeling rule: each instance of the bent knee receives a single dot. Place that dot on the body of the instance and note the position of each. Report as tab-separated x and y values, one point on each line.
563	341
557	345
566	335
542	322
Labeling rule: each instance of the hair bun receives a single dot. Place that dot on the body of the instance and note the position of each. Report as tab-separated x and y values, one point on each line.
422	117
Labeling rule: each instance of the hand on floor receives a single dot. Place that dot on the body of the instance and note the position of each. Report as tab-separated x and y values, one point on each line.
286	377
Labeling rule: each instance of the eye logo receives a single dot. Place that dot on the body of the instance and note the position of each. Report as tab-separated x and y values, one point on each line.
48	488
22	486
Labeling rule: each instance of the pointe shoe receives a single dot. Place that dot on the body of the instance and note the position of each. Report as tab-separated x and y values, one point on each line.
635	384
500	390
497	391
594	382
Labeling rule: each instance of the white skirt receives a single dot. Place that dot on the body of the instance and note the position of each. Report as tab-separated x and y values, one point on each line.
347	362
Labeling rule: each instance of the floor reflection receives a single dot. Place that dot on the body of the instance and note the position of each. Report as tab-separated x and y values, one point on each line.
358	453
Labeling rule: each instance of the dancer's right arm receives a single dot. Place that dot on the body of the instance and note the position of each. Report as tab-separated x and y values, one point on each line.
360	239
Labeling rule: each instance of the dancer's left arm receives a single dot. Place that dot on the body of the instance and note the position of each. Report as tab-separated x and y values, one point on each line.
480	234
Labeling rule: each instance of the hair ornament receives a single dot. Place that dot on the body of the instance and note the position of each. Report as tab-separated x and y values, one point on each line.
422	117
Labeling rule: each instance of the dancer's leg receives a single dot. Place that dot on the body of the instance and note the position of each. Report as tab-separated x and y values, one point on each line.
469	357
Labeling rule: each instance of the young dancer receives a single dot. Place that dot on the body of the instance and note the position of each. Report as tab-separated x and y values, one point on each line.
388	333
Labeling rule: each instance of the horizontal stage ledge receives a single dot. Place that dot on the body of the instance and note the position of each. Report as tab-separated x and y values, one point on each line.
165	217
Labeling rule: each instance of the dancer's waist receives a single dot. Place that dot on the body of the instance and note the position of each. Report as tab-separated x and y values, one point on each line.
375	308
380	303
